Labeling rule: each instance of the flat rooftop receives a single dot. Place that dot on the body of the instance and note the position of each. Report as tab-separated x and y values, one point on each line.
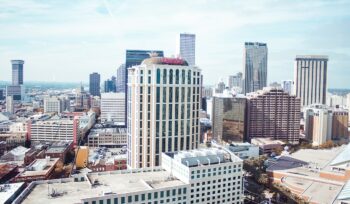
7	190
50	164
112	182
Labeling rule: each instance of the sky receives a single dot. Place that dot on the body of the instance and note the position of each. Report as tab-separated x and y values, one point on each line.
65	41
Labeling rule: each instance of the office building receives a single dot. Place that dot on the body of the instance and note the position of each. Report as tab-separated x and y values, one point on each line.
17	72
287	86
2	94
54	130
107	137
113	107
120	81
82	100
110	86
229	118
255	66
186	48
16	91
163	109
133	58
348	101
273	113
10	106
219	88
323	123
235	81
94	84
310	77
53	104
202	176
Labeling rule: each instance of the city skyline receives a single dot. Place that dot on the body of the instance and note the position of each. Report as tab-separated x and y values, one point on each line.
86	37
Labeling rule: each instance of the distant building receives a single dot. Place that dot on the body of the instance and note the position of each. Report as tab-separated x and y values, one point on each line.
2	94
310	77
110	86
287	86
267	145
16	91
133	58
235	80
229	118
53	105
94	84
219	88
207	92
17	72
186	48
275	114
120	81
244	150
82	100
163	109
10	106
348	101
255	66
113	107
323	124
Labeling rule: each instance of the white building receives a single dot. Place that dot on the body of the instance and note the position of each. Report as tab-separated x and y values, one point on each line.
163	109
187	177
10	106
53	105
113	107
287	86
54	130
186	48
107	137
310	78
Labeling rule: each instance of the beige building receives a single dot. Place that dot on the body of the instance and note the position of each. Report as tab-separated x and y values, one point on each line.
273	113
323	124
163	109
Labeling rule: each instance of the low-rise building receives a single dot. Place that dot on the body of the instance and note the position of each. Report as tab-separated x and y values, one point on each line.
267	145
244	150
40	169
107	137
7	172
9	192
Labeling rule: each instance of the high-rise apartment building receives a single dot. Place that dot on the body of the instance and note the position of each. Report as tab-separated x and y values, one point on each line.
229	118
17	72
323	123
255	66
310	77
186	48
163	109
133	58
273	113
113	107
95	80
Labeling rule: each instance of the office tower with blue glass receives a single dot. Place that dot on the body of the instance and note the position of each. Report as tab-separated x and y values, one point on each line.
255	66
95	80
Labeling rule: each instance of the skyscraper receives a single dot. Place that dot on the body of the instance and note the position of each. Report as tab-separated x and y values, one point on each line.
186	48
17	72
229	118
113	108
273	113
133	58
310	77
235	80
95	79
287	86
120	81
110	85
255	66
163	109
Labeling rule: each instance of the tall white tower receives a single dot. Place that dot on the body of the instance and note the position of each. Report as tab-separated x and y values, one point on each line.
163	109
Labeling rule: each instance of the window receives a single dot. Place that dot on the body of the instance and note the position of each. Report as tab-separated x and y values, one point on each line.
164	76
171	76
183	77
158	76
189	77
177	76
129	199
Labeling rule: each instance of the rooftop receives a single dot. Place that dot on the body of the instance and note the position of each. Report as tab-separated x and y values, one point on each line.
39	167
118	182
165	61
324	57
7	190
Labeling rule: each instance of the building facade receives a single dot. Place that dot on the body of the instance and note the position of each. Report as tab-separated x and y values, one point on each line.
113	107
229	119
275	114
133	58
10	106
17	72
255	66
287	86
235	80
186	48
94	84
120	81
310	77
163	109
53	105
